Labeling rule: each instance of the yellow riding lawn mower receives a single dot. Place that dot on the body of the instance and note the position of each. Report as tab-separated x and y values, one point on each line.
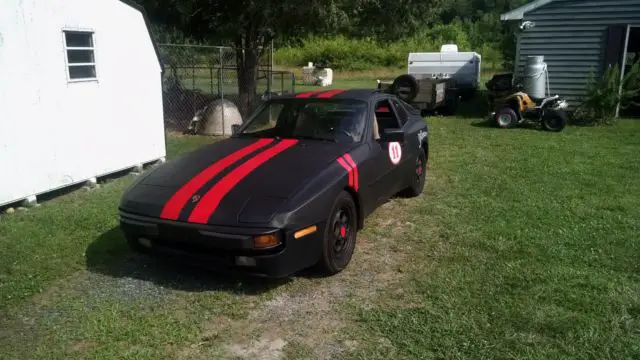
513	107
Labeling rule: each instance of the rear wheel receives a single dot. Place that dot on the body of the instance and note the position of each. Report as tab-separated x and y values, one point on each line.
553	121
339	236
418	178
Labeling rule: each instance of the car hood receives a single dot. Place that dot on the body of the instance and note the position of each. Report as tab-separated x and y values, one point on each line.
259	177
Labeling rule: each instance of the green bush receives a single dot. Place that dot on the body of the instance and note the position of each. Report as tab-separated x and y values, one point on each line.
343	53
602	97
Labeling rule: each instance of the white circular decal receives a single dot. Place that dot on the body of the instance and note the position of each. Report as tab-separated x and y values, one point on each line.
395	152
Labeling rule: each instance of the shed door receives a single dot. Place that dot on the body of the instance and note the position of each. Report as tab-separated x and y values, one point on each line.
614	47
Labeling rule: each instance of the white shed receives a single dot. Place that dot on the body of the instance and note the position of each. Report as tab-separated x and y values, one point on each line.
80	94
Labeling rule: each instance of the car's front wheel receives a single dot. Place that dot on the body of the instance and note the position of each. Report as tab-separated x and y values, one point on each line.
340	235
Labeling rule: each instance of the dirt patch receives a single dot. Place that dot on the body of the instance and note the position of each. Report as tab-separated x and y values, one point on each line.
263	349
309	313
83	346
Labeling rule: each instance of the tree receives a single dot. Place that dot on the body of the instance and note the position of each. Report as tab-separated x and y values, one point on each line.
386	20
246	25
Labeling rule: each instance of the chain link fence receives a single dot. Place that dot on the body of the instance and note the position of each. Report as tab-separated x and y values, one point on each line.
200	86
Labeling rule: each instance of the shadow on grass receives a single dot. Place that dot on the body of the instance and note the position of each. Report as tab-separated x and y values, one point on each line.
489	123
474	108
110	255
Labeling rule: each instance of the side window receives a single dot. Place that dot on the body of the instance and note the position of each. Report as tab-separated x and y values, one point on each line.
402	113
385	116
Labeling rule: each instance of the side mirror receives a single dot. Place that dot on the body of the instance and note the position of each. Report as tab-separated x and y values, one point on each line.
235	128
392	135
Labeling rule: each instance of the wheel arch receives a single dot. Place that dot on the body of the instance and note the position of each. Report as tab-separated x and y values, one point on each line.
358	203
425	148
514	105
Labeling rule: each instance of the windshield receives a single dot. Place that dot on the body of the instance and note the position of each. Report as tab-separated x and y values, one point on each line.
317	119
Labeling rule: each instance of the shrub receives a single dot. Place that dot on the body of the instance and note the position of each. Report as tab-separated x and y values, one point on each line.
344	53
602	97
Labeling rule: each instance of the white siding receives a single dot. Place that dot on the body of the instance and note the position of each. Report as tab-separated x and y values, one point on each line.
55	133
572	35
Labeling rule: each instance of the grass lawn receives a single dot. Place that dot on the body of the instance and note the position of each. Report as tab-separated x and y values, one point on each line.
524	245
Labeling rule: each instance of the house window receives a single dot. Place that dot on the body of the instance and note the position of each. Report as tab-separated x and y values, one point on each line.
80	56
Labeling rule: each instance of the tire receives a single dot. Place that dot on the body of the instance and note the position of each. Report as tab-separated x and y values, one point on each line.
419	178
506	118
339	240
400	85
554	121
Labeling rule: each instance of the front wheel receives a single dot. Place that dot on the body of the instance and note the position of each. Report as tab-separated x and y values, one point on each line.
339	236
506	118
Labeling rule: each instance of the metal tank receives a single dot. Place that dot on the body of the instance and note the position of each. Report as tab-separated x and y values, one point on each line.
535	79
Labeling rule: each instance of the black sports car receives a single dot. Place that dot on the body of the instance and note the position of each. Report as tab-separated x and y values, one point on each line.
288	190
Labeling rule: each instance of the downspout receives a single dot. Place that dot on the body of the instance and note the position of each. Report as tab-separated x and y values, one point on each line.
624	64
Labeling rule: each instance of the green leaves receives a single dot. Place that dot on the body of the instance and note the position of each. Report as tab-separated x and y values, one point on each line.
603	95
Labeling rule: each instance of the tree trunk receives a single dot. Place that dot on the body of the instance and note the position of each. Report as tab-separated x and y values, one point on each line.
247	62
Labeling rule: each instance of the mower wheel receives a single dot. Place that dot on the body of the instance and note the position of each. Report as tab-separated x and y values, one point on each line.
506	118
554	121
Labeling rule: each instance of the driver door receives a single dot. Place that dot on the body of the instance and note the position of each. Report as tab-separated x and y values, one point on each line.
385	157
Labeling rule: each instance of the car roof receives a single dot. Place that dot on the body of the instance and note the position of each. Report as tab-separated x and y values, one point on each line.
349	94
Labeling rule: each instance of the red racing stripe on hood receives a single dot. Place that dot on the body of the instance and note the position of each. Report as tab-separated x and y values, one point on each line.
171	210
308	93
330	94
210	201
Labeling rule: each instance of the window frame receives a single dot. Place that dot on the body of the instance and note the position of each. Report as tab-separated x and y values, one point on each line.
92	48
392	109
400	111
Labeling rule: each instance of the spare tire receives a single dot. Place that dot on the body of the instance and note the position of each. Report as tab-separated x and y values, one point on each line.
405	87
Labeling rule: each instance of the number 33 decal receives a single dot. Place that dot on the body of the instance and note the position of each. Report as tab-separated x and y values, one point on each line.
395	152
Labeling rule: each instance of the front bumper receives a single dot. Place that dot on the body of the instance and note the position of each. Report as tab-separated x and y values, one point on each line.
223	248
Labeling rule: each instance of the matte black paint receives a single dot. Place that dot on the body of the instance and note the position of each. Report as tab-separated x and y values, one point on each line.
293	190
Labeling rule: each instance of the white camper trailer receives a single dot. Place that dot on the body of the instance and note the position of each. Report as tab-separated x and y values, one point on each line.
449	63
80	96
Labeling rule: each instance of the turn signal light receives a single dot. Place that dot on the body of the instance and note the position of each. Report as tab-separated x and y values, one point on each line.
265	241
304	232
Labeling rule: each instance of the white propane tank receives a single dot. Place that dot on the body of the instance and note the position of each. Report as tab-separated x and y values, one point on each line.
535	77
325	77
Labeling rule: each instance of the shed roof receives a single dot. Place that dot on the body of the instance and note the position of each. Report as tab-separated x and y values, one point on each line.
518	13
140	8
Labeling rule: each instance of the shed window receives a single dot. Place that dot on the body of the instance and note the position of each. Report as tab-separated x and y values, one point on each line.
80	55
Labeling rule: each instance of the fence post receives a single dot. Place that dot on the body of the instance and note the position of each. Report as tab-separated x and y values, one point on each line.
222	89
211	78
270	78
193	88
293	83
